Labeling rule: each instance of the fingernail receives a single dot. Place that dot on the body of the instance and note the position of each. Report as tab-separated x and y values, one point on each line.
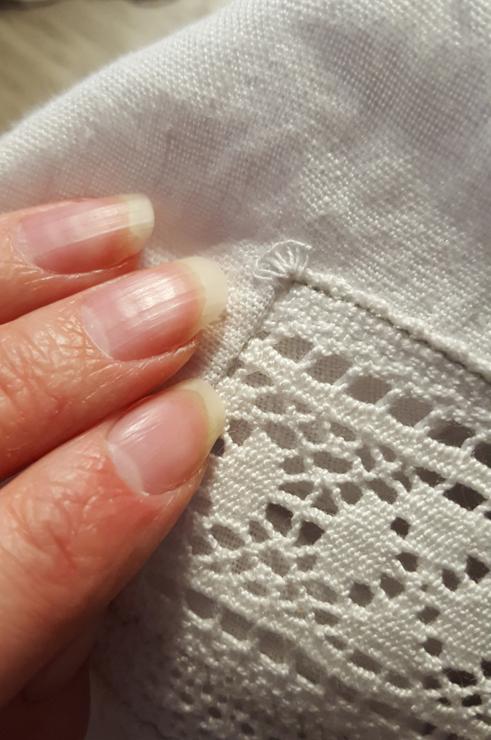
154	311
86	235
161	443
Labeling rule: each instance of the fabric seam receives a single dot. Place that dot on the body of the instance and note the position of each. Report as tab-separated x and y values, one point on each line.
453	350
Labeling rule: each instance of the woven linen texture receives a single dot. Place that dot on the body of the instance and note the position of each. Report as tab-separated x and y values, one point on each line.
332	579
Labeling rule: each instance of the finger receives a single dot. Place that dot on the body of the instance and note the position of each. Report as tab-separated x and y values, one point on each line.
56	250
60	716
76	525
67	365
65	665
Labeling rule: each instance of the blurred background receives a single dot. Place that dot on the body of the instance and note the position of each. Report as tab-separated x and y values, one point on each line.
45	47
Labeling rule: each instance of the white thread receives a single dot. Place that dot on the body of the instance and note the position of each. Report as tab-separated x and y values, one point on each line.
452	348
286	260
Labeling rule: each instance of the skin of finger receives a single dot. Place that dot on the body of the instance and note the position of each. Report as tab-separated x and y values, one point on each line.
72	533
65	664
60	716
55	383
25	287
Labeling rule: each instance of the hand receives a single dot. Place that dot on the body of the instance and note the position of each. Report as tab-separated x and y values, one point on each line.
100	484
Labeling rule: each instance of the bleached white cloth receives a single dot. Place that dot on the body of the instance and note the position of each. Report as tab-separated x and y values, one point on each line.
332	579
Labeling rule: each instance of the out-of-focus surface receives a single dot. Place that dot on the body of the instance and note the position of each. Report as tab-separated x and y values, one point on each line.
45	48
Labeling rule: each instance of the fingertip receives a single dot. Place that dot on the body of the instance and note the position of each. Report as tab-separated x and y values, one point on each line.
82	236
160	444
141	219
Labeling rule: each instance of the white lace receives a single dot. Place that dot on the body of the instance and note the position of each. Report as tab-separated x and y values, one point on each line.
332	579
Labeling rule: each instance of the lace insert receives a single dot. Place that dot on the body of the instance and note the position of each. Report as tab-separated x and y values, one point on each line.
332	578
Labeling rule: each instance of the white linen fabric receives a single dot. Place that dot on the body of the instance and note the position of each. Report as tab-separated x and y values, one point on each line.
332	578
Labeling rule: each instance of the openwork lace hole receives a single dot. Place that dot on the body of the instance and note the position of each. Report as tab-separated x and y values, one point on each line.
300	488
314	432
400	526
430	683
293	465
450	579
429	477
321	591
226	537
280	518
328	369
410	411
368	389
200	604
362	660
272	645
433	646
473	700
307	668
388	453
306	562
276	561
350	493
235	624
293	348
257	379
282	435
384	491
408	560
239	430
325	618
460	677
336	642
201	546
256	589
272	403
361	594
257	531
391	586
325	502
334	464
476	569
483	453
451	433
309	534
366	458
428	614
341	431
464	496
400	682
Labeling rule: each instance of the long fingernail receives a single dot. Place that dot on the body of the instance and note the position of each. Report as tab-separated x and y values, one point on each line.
86	235
153	311
160	444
